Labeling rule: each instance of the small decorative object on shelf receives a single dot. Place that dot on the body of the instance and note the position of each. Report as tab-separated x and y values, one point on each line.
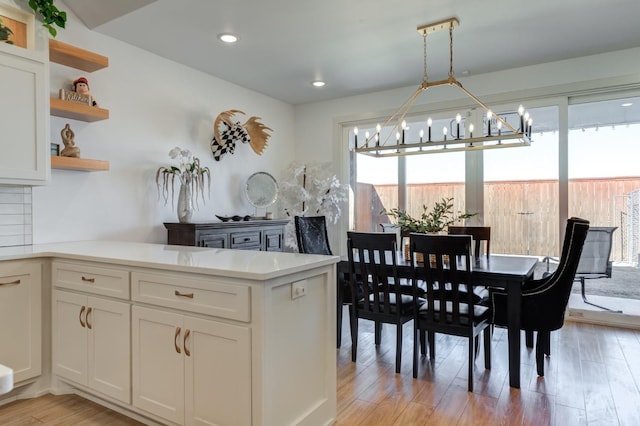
192	177
80	93
70	148
55	149
226	133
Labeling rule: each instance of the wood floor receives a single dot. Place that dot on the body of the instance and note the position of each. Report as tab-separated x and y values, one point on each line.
592	378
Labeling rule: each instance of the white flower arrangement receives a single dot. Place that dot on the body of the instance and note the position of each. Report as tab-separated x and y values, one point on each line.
189	172
310	190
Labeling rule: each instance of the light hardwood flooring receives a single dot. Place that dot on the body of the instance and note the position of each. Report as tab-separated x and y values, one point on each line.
591	378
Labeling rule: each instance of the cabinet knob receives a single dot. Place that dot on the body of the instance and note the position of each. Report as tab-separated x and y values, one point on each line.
16	282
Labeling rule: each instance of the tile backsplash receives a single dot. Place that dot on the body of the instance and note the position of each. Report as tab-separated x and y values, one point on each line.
15	216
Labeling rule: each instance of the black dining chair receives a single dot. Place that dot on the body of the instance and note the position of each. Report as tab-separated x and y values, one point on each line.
481	237
447	266
313	238
373	272
545	300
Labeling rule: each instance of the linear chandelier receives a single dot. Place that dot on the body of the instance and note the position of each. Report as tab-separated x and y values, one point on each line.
504	134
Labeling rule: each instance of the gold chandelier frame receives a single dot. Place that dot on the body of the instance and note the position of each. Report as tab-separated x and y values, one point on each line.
510	137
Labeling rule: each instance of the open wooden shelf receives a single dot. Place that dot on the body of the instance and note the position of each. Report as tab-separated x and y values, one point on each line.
81	164
71	56
77	111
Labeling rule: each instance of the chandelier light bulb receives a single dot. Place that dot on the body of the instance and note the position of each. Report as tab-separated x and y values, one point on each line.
355	131
458	118
404	124
429	121
378	128
489	115
520	110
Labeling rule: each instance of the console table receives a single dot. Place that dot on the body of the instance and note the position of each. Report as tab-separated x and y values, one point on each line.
264	235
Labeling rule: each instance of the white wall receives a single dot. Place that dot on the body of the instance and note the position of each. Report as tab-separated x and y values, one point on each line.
155	104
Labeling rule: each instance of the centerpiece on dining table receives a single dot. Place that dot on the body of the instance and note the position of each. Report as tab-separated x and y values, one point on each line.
431	221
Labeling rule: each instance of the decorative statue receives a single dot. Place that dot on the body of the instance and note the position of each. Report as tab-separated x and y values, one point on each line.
70	148
81	85
226	133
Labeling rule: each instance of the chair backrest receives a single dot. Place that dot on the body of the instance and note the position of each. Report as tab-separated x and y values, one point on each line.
311	235
446	272
372	256
546	299
394	229
594	261
479	234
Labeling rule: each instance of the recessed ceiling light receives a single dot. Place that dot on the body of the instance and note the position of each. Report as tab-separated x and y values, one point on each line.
228	38
627	104
318	83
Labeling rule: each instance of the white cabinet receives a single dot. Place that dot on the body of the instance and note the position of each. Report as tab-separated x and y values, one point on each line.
190	370
91	333
24	116
21	318
91	343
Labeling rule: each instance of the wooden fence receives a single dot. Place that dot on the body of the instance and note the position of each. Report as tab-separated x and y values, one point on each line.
523	215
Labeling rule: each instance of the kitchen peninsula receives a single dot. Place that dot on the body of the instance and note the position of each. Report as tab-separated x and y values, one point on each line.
181	335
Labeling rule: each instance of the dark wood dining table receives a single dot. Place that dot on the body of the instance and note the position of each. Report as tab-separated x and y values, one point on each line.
503	271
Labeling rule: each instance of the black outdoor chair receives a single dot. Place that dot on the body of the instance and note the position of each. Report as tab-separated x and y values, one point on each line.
312	238
373	272
447	265
480	234
545	300
594	261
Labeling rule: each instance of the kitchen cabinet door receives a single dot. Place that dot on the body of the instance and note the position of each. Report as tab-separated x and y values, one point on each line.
158	363
217	373
24	116
21	318
91	343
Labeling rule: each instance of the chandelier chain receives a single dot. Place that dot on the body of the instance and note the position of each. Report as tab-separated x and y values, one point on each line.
424	47
451	51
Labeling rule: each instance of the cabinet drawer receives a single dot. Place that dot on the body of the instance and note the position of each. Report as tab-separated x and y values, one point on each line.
91	279
245	240
205	296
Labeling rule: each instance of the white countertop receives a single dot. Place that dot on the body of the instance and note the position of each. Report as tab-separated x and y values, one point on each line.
256	265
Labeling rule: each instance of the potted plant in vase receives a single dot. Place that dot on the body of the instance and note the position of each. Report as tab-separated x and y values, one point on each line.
431	221
5	32
192	177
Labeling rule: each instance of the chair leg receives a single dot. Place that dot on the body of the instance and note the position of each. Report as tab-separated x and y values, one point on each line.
340	307
584	299
487	348
477	346
432	344
378	332
415	348
398	347
528	337
472	352
423	342
354	335
542	339
546	347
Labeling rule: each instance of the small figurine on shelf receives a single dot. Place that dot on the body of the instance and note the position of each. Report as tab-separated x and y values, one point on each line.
70	148
81	85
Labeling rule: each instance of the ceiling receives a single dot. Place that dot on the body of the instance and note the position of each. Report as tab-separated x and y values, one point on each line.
360	46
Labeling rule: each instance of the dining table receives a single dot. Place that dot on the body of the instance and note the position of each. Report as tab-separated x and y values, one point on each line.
509	272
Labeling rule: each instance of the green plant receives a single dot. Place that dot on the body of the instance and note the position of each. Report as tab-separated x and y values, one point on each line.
434	220
50	14
5	32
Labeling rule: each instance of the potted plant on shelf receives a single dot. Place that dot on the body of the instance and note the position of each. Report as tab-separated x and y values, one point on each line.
5	32
50	15
192	177
430	221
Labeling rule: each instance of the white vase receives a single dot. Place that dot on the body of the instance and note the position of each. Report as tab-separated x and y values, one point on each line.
185	201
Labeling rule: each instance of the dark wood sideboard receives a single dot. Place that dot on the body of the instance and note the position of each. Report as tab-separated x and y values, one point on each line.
265	235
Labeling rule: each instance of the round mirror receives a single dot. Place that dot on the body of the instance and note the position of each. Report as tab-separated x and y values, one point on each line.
261	189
